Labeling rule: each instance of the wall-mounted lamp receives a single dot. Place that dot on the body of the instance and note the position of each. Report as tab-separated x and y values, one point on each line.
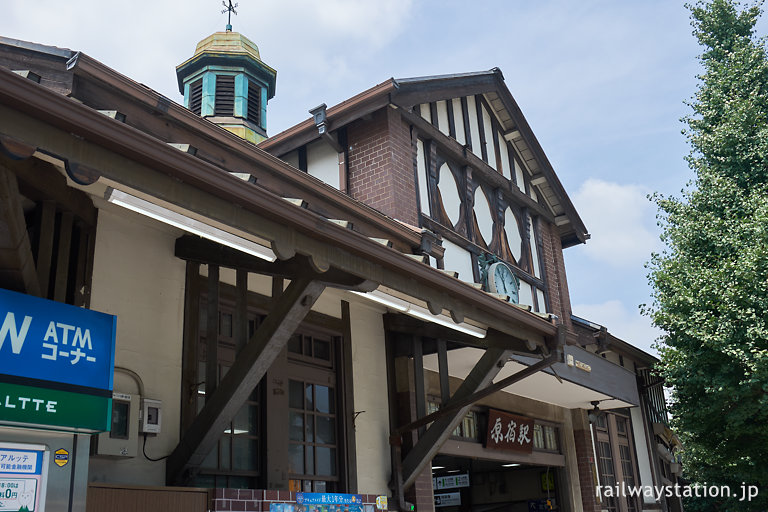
595	413
320	117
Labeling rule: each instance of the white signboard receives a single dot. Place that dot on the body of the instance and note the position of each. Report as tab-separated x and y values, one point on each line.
448	499
22	477
450	481
19	461
18	494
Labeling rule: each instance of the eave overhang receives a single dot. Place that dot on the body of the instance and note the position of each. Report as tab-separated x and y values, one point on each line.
405	93
95	146
191	128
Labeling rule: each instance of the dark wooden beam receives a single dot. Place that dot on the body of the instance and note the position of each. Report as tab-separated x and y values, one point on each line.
346	383
40	181
395	322
241	310
62	257
478	385
45	244
189	355
17	265
418	378
485	172
212	334
252	363
193	248
415	93
428	445
442	365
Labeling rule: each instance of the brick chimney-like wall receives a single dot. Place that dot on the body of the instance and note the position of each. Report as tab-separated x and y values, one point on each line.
381	165
554	267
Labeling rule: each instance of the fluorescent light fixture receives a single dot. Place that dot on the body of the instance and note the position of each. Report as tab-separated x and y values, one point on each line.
236	432
438	467
509	465
421	313
385	300
425	314
453	471
188	224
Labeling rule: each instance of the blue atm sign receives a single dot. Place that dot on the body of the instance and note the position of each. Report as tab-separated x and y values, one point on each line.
46	340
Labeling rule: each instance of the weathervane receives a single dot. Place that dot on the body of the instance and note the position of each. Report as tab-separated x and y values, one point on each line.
230	10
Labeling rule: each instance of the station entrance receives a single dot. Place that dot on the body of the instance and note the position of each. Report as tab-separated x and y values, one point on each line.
479	485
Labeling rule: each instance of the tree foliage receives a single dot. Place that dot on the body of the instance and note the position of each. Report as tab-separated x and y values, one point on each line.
710	286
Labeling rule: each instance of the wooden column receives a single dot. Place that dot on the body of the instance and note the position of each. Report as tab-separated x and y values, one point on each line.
212	334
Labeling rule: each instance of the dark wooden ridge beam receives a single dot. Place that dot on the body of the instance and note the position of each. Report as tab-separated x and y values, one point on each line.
17	264
250	366
200	250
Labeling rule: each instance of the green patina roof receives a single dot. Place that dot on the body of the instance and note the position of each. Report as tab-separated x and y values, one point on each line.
228	49
227	42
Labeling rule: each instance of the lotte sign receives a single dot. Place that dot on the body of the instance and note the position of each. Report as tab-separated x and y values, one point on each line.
56	364
509	432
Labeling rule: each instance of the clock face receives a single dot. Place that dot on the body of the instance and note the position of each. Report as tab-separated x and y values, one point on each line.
502	280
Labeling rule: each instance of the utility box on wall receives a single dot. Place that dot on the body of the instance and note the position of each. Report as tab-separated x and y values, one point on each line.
122	440
151	416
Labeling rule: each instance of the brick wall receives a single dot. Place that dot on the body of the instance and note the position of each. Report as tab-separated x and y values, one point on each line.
421	493
260	500
381	165
554	267
585	460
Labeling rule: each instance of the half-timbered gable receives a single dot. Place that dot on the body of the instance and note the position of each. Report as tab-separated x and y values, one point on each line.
455	156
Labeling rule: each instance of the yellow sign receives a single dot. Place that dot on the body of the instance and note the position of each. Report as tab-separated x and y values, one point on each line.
61	457
381	502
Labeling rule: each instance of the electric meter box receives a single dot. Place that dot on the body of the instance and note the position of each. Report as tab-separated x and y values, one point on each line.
122	439
151	416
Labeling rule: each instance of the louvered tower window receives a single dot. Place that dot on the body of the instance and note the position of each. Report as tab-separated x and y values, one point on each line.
254	103
196	96
225	96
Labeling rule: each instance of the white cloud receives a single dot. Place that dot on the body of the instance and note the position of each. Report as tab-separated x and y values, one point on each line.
317	43
620	219
623	322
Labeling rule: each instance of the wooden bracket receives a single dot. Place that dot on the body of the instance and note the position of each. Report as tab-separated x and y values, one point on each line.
251	365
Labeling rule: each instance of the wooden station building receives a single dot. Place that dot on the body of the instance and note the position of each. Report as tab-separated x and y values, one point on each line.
372	302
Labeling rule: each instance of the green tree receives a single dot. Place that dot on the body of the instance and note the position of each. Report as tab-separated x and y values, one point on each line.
710	286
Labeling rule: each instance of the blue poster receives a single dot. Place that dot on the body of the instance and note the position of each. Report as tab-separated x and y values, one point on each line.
47	340
328	498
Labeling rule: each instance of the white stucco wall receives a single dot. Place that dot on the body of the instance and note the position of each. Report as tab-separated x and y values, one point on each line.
458	259
137	278
323	162
369	374
641	449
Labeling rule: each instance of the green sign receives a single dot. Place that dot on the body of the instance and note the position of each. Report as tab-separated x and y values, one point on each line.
60	409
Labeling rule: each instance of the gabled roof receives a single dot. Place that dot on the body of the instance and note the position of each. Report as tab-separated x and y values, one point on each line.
36	120
405	93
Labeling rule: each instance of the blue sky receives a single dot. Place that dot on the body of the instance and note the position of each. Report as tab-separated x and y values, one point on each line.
602	83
